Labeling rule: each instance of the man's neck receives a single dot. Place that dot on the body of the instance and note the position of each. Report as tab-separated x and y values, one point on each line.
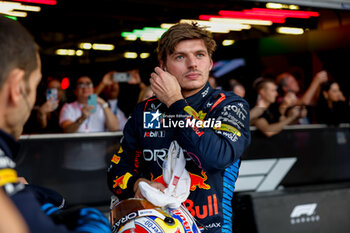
266	103
189	93
7	125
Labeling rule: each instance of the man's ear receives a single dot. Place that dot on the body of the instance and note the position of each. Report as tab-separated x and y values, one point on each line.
162	65
211	64
261	93
15	82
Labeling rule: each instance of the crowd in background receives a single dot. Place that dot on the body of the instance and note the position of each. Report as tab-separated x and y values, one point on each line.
278	101
85	107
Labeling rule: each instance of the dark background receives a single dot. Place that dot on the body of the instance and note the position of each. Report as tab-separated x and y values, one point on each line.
325	44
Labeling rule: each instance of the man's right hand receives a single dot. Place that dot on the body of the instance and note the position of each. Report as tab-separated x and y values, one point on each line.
165	86
108	78
295	112
86	110
321	77
48	106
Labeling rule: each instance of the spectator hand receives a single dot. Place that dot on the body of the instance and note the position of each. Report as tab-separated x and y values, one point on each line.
290	99
135	77
85	111
108	78
303	112
321	77
165	86
294	112
100	101
48	106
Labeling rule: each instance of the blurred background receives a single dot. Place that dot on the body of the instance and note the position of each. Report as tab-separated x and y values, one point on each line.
87	37
295	181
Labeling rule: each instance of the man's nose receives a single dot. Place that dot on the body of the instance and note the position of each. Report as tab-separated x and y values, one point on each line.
192	61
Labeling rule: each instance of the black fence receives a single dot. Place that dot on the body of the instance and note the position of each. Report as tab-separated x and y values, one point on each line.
75	164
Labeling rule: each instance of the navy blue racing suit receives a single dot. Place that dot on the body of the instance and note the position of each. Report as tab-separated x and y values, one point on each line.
211	126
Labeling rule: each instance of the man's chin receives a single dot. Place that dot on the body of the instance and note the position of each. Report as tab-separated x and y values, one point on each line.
193	84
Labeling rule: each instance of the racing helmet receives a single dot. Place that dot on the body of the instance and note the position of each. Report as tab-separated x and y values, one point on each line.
137	215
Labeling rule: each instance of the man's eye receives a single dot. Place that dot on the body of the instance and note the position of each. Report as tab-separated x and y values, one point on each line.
200	55
179	57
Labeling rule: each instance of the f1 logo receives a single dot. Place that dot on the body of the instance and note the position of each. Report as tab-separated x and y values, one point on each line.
151	120
308	210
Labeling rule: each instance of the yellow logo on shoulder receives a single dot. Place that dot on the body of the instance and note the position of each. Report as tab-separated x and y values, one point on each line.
8	175
198	116
115	159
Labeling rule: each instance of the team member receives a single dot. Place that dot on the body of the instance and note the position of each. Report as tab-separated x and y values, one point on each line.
212	126
20	74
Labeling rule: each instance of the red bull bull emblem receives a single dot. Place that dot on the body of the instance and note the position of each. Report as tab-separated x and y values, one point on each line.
198	181
122	181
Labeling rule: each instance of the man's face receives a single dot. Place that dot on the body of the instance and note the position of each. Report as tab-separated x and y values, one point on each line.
190	64
270	92
292	84
112	91
83	89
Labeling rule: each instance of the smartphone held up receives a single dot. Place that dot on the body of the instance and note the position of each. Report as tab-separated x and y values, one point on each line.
92	101
51	94
121	77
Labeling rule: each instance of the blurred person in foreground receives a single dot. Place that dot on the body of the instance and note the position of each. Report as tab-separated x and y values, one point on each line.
80	117
265	114
20	74
10	219
214	141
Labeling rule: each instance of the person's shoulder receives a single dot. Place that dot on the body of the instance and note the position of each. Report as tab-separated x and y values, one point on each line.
228	97
151	104
70	104
68	107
